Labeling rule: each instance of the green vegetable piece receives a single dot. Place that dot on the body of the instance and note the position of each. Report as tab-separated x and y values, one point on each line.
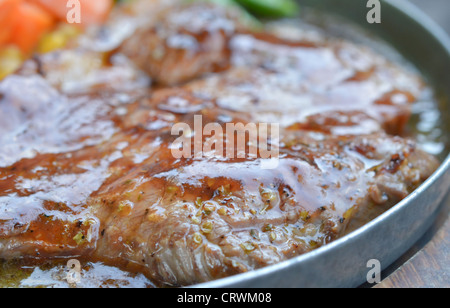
271	8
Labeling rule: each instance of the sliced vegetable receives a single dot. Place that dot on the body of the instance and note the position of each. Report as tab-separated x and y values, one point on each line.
271	8
30	23
11	59
91	11
58	38
7	9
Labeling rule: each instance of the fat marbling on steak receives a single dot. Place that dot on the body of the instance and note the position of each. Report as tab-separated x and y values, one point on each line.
87	170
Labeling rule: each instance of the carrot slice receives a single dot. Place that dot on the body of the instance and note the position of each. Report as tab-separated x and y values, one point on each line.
30	23
91	11
7	9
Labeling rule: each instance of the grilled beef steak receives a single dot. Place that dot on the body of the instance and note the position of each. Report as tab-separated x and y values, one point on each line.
87	169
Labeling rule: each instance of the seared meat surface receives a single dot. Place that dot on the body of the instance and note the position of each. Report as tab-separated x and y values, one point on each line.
182	43
86	163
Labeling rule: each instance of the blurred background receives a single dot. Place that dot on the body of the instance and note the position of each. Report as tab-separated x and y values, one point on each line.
439	10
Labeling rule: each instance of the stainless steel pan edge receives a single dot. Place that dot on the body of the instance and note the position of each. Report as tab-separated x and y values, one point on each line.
343	263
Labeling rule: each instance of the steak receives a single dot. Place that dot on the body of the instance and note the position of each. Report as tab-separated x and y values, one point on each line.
87	168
